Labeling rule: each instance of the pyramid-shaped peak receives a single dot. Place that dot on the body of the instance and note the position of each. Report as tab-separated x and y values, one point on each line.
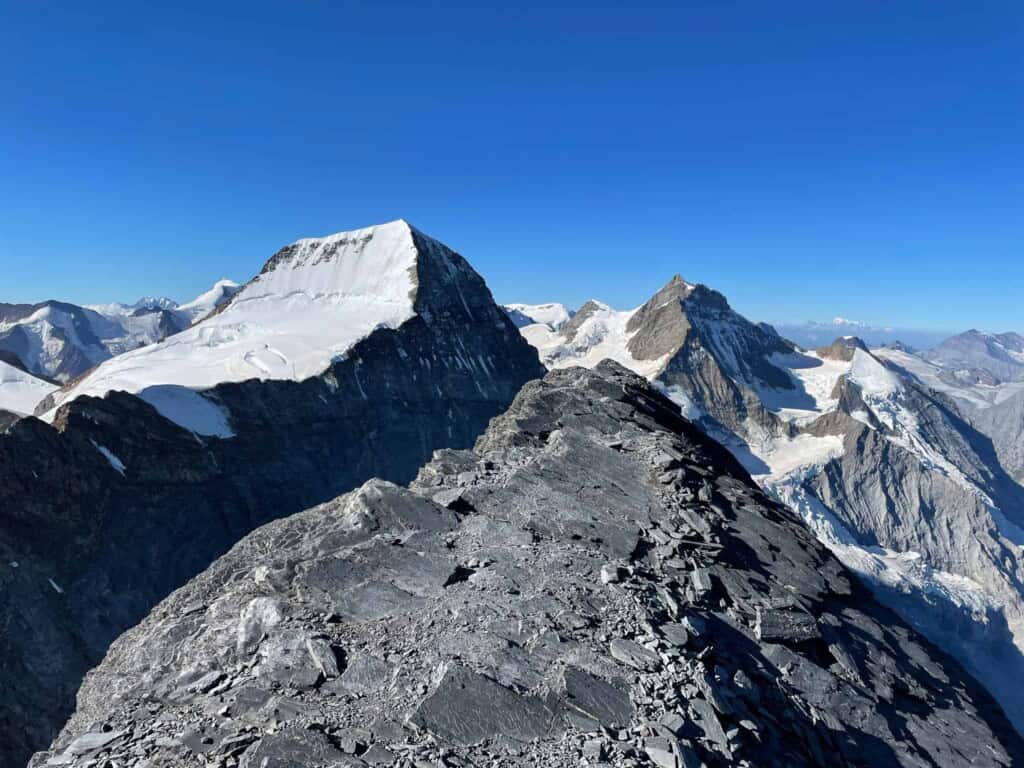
677	286
312	301
842	348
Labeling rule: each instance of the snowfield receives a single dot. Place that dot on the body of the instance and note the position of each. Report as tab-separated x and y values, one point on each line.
310	304
554	316
600	336
21	392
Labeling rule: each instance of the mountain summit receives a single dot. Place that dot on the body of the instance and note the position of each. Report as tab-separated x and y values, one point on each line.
311	302
688	338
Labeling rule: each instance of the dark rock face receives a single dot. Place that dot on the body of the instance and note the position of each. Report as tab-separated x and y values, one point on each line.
719	358
98	541
842	348
7	419
595	579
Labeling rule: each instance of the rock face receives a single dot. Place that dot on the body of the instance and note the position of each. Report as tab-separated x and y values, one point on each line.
114	506
596	579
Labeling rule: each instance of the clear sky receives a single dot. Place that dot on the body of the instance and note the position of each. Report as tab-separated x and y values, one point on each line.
809	159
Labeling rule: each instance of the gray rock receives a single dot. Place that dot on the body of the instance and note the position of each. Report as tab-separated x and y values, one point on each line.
467	708
661	751
90	742
676	634
292	748
785	626
366	674
322	653
598	699
634	654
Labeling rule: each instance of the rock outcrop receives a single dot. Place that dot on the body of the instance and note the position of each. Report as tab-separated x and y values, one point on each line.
112	507
596	580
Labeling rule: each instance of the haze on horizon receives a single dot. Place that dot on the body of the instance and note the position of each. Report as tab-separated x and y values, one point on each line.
862	161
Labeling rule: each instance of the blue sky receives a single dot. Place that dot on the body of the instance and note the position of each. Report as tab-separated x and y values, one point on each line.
808	159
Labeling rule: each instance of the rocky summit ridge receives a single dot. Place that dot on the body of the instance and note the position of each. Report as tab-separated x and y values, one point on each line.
595	581
118	502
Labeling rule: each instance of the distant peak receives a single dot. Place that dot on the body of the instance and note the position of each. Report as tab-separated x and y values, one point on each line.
679	284
842	348
676	289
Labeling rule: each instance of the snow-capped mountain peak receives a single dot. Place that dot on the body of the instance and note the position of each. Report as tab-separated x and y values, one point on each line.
311	302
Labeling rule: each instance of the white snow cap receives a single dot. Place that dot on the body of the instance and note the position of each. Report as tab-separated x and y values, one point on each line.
553	315
311	303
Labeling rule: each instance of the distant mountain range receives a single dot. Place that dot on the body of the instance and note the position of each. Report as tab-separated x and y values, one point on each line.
61	341
813	334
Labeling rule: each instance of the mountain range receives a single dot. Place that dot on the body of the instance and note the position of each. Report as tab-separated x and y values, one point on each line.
694	541
898	462
813	334
61	341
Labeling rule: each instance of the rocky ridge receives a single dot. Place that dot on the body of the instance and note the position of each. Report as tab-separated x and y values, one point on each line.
596	582
110	508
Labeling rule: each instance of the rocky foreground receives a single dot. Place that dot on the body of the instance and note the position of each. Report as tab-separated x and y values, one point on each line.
596	580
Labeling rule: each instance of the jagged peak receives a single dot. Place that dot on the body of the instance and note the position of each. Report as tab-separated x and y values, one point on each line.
842	348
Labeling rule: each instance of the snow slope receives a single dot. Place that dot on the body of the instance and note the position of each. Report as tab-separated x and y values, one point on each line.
601	335
221	292
311	303
21	392
554	316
